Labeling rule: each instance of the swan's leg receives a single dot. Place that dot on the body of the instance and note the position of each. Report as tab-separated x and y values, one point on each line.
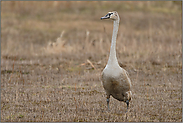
108	96
127	103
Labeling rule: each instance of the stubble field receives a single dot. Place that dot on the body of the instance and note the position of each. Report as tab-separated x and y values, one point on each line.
53	53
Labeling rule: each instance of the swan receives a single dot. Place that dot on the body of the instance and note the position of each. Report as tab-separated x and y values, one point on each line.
115	80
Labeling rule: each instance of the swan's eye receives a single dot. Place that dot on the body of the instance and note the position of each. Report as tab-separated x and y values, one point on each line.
110	14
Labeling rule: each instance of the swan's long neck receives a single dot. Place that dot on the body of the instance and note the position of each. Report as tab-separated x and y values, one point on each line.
112	56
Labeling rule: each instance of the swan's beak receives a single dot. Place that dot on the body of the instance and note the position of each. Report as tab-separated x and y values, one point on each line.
106	16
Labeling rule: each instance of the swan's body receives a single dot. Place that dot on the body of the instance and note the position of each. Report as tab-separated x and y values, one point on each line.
114	78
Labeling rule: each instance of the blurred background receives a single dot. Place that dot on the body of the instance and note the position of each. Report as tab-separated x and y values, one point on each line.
53	52
61	27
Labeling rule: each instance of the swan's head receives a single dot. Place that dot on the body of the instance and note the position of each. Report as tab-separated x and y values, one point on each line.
111	15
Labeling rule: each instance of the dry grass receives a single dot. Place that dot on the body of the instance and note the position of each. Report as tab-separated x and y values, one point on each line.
53	53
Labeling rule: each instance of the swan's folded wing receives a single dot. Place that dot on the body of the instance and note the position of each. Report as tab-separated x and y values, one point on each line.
126	80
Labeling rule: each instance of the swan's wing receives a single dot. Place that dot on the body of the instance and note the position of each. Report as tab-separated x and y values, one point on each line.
126	79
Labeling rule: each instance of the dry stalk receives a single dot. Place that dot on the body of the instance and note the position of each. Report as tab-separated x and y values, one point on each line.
12	70
16	99
101	46
76	104
91	64
87	46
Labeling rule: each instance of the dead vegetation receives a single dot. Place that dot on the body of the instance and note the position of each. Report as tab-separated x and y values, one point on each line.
53	53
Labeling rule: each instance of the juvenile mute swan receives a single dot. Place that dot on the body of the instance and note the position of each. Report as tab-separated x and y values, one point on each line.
114	78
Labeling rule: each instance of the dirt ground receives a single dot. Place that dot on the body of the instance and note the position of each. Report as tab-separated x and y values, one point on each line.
53	53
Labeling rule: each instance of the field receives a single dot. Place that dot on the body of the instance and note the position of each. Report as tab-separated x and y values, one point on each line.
53	53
